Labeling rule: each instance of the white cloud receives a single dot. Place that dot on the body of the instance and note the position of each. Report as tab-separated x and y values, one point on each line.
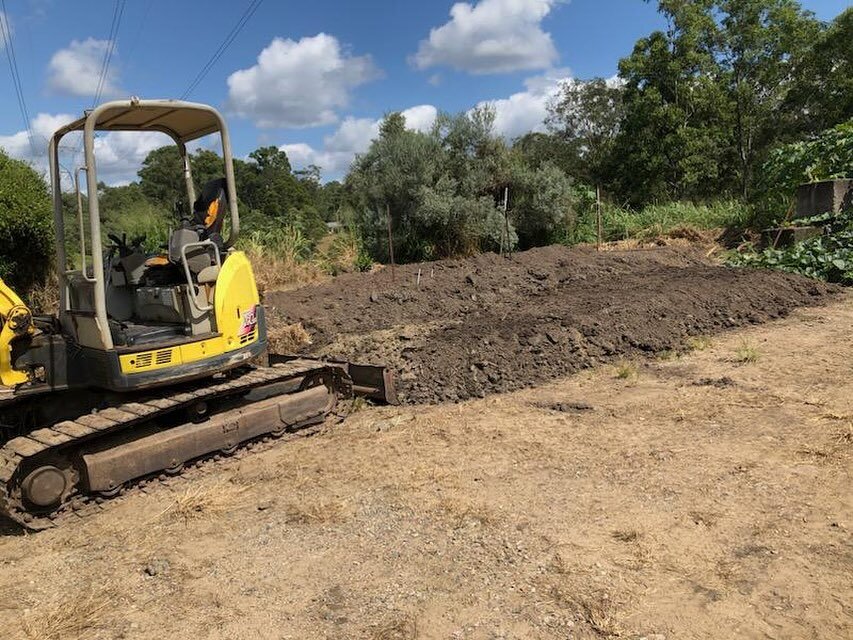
119	154
492	36
298	84
76	70
353	136
525	111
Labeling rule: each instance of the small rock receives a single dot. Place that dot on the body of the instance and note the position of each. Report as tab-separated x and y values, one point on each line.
264	505
374	297
156	567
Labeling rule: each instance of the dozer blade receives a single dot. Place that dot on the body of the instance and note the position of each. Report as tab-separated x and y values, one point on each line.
369	381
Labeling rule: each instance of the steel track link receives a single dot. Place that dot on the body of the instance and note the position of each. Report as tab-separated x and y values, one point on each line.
107	422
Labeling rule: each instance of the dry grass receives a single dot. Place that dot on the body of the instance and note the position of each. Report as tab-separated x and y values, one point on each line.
288	338
699	343
626	371
319	511
44	298
402	627
747	353
273	273
80	615
627	535
463	513
595	608
207	500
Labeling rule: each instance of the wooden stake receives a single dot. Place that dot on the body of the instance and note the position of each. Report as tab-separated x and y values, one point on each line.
598	217
390	241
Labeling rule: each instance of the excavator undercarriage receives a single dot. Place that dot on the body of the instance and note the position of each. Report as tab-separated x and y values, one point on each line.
47	473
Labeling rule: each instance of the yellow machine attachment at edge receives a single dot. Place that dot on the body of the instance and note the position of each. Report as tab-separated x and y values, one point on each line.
16	321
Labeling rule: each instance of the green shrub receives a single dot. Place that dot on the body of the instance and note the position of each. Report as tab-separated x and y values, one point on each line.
26	225
828	155
828	257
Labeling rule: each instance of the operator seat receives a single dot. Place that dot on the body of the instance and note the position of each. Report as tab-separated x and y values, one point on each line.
208	218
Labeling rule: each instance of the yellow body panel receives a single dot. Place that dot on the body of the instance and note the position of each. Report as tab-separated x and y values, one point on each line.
235	304
235	301
15	322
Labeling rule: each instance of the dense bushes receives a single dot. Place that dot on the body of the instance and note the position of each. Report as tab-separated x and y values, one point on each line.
26	237
444	191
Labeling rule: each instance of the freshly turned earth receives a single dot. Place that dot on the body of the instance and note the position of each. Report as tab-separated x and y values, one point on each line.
457	329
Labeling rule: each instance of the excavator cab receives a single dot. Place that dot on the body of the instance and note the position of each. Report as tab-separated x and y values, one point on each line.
129	320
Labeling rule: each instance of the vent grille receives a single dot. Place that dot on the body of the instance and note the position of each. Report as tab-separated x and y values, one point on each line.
164	357
249	337
144	360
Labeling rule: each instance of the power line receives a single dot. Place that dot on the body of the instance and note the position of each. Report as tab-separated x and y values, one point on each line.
16	76
247	15
118	11
111	46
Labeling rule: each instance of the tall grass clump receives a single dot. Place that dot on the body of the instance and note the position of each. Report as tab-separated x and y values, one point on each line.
657	220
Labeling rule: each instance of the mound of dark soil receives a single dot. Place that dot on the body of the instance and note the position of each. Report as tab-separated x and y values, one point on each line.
457	329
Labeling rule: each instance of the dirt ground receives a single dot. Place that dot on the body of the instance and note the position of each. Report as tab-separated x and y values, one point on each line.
702	493
460	329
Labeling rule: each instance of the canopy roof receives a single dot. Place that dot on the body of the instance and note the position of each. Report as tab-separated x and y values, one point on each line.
182	121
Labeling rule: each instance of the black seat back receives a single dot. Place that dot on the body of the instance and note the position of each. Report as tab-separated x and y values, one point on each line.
210	208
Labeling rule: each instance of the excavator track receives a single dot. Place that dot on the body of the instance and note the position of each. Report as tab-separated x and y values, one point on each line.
70	467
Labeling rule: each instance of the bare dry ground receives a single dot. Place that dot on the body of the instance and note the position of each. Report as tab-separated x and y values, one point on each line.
705	495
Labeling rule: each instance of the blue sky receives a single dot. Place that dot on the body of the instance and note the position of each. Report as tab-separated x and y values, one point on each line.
313	77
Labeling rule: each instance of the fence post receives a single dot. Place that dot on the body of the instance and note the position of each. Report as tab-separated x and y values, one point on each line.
598	217
390	241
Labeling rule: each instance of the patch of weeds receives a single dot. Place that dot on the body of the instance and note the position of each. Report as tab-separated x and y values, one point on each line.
77	616
596	609
627	535
699	343
401	627
314	512
359	403
668	356
747	353
627	371
288	339
844	437
205	501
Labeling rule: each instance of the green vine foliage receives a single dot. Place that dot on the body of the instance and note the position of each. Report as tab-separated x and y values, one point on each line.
26	225
828	257
826	156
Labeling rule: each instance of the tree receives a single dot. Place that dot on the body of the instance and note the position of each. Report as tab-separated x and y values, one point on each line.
586	116
162	177
26	225
822	94
761	44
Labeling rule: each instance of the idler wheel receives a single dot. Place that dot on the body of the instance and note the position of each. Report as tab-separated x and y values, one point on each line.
45	486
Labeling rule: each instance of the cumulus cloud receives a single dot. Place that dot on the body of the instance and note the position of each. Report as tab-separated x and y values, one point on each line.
491	36
353	136
75	70
526	111
119	154
298	84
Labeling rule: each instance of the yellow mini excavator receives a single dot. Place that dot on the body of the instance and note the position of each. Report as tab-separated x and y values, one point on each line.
153	361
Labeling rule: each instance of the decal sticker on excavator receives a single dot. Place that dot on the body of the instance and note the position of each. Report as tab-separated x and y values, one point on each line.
250	321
